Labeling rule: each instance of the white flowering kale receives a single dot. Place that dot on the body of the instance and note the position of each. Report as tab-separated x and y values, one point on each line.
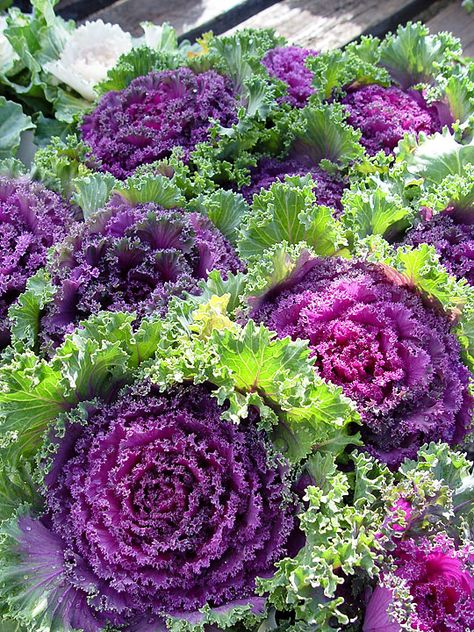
90	52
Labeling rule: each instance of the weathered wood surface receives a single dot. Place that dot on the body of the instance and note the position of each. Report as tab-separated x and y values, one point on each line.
455	19
324	24
319	23
190	17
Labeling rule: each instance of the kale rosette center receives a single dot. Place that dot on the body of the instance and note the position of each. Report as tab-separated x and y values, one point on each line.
167	506
154	114
287	63
392	354
385	115
132	258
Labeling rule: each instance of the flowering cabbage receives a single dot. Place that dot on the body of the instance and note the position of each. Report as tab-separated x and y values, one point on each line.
131	258
453	240
163	110
163	493
385	114
90	51
287	63
375	338
158	506
32	219
439	578
328	189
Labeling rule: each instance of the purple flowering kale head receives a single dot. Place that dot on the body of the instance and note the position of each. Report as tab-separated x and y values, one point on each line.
156	113
385	115
32	219
452	239
388	351
287	63
440	582
328	191
157	506
132	258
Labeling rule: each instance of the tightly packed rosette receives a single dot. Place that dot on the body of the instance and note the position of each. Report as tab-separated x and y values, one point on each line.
156	503
372	335
385	114
154	114
131	254
287	63
440	581
32	220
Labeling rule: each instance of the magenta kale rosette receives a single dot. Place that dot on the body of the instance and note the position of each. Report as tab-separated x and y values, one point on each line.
391	353
156	508
32	219
134	259
287	63
385	114
154	114
439	579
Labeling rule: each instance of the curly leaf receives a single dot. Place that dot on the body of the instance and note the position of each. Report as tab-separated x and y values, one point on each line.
225	209
25	313
413	56
372	210
288	212
323	135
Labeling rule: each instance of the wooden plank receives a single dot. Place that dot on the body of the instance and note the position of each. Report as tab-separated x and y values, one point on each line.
189	17
323	25
80	9
455	19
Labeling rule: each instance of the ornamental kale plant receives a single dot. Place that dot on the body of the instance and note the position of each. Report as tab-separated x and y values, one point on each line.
444	202
32	219
405	83
164	506
453	241
385	114
157	495
131	258
287	63
437	578
371	333
154	114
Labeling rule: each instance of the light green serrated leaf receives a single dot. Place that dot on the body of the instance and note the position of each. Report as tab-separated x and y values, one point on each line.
372	211
147	187
92	192
25	313
225	209
288	212
413	56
